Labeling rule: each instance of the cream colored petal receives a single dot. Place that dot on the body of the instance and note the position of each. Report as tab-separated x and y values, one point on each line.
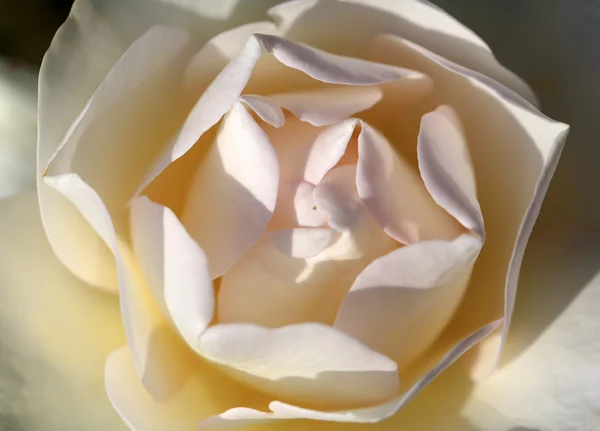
396	195
206	391
174	266
402	301
302	243
18	89
141	316
446	167
280	410
310	363
310	22
110	146
514	149
56	333
226	88
233	194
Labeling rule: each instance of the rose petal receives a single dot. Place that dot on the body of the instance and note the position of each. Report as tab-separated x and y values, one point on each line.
402	301
109	145
205	392
336	197
329	106
270	288
233	194
265	108
174	266
296	207
514	149
280	410
142	319
310	21
224	91
309	362
446	167
396	196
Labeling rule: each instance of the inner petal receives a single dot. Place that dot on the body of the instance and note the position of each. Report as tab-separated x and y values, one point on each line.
273	286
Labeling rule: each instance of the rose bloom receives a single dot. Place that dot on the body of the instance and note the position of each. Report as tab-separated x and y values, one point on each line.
306	219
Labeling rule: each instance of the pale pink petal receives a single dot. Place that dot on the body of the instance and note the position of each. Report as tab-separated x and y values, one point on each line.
142	318
279	410
271	288
357	22
396	195
336	197
402	301
174	266
514	149
446	167
329	106
302	243
310	362
308	153
233	194
226	88
110	146
265	108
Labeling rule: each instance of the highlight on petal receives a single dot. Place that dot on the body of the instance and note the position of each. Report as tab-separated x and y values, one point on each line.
281	410
420	21
505	134
310	363
402	301
174	266
234	192
265	108
396	195
110	144
446	167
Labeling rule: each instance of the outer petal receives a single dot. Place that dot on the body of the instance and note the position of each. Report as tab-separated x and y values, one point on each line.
514	149
206	391
144	324
17	128
280	410
402	301
56	332
234	192
110	145
310	363
309	21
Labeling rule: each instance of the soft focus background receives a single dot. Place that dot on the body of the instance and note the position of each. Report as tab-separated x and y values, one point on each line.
553	353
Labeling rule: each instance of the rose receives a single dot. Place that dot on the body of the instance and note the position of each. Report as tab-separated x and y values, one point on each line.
464	210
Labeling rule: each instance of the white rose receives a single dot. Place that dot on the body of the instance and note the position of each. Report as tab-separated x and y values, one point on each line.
322	261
